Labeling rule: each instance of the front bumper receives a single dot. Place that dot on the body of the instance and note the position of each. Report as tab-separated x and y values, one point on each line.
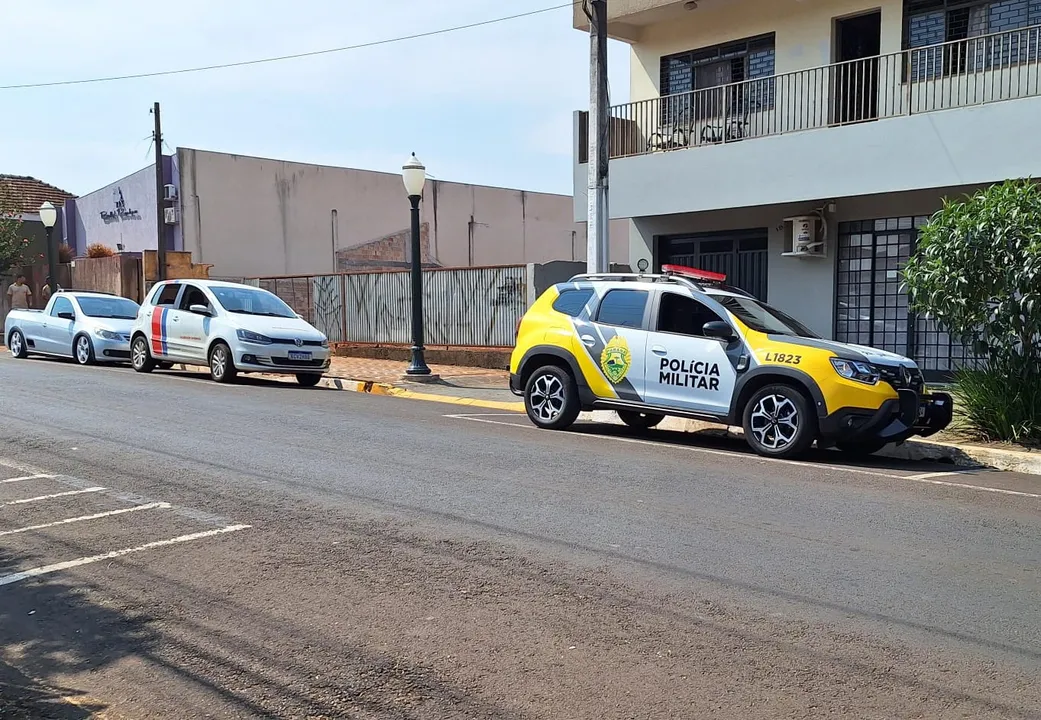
111	350
515	387
278	360
895	421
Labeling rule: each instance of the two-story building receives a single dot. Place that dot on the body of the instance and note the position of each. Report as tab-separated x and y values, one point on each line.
797	145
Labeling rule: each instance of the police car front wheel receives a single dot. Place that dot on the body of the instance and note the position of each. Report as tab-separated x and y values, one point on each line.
779	422
551	398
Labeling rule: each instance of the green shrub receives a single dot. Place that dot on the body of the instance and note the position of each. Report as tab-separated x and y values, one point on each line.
993	406
977	271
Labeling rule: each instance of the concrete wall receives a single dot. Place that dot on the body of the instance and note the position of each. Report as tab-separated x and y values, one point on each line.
123	212
252	216
803	287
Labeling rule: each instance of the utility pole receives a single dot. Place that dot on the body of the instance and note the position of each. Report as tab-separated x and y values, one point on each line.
597	243
160	203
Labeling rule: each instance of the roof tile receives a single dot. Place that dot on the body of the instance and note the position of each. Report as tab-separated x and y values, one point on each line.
31	193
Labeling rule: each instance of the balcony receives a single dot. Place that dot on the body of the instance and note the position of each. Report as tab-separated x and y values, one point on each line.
855	128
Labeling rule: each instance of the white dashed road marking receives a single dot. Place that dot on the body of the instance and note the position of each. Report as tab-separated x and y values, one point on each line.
84	518
926	478
52	496
25	477
217	525
56	567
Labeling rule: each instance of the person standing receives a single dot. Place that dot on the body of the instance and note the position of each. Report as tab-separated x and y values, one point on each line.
20	294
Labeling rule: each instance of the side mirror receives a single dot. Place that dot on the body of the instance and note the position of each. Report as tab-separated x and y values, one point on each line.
719	330
200	310
67	315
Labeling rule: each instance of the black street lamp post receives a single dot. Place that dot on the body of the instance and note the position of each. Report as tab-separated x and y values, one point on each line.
414	175
49	216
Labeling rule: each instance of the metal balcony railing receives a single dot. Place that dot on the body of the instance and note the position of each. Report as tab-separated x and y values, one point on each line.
962	73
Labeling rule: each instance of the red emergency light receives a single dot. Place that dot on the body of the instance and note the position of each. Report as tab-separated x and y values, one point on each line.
693	273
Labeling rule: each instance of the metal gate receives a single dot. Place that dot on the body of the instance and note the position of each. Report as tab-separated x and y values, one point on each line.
871	306
741	255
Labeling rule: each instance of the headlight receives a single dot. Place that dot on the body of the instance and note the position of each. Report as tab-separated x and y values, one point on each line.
325	342
252	337
853	370
108	334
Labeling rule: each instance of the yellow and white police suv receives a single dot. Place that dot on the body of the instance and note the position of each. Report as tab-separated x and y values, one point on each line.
684	343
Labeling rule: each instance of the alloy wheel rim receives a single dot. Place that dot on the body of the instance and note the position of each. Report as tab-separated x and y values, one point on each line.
16	344
775	422
139	354
82	350
547	397
219	363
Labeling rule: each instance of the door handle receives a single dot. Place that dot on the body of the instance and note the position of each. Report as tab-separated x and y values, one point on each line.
658	350
588	340
176	319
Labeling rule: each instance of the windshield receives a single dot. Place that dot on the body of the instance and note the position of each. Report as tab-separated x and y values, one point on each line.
762	318
247	301
108	307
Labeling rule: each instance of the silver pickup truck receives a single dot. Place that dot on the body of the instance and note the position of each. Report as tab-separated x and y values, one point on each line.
86	326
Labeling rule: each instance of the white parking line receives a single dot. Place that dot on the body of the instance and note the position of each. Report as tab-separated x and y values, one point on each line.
84	518
68	564
25	477
926	478
52	496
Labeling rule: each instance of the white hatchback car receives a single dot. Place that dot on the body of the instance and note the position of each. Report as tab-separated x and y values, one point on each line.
227	327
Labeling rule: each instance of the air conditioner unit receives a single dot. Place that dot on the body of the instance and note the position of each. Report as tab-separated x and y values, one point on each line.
171	216
169	192
805	239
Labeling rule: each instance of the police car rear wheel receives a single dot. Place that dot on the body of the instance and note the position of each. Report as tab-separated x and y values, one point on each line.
551	398
140	359
639	420
222	368
778	422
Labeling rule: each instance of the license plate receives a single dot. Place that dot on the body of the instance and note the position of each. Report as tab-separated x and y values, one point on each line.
299	355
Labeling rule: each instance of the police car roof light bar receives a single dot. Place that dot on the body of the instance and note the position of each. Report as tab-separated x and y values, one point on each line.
693	273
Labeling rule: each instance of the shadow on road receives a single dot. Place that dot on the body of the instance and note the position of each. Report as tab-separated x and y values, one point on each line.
49	629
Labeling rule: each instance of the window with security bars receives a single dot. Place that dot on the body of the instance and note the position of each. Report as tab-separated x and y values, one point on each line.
871	304
736	77
950	37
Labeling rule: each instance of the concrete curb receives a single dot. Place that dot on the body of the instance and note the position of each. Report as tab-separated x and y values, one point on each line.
967	456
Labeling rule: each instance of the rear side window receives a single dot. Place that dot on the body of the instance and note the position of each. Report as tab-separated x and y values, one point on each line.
167	295
571	302
623	308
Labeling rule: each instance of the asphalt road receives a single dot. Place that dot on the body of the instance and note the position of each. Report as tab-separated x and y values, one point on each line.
173	548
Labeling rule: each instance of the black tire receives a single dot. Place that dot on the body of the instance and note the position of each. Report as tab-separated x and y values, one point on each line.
83	350
860	448
222	365
308	379
779	422
16	344
551	398
640	420
141	356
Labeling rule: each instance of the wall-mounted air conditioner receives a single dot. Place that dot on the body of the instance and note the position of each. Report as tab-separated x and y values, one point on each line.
169	192
804	237
171	216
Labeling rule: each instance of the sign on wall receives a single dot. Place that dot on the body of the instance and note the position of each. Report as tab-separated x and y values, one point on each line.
119	211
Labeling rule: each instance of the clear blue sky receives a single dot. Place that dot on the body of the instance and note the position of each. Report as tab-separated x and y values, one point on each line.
490	105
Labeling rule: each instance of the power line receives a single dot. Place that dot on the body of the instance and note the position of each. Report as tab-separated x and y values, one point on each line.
295	56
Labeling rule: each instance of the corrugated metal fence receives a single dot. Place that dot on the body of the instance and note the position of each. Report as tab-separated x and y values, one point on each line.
472	307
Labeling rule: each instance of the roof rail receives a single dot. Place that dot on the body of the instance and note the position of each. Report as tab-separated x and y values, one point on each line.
689	277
